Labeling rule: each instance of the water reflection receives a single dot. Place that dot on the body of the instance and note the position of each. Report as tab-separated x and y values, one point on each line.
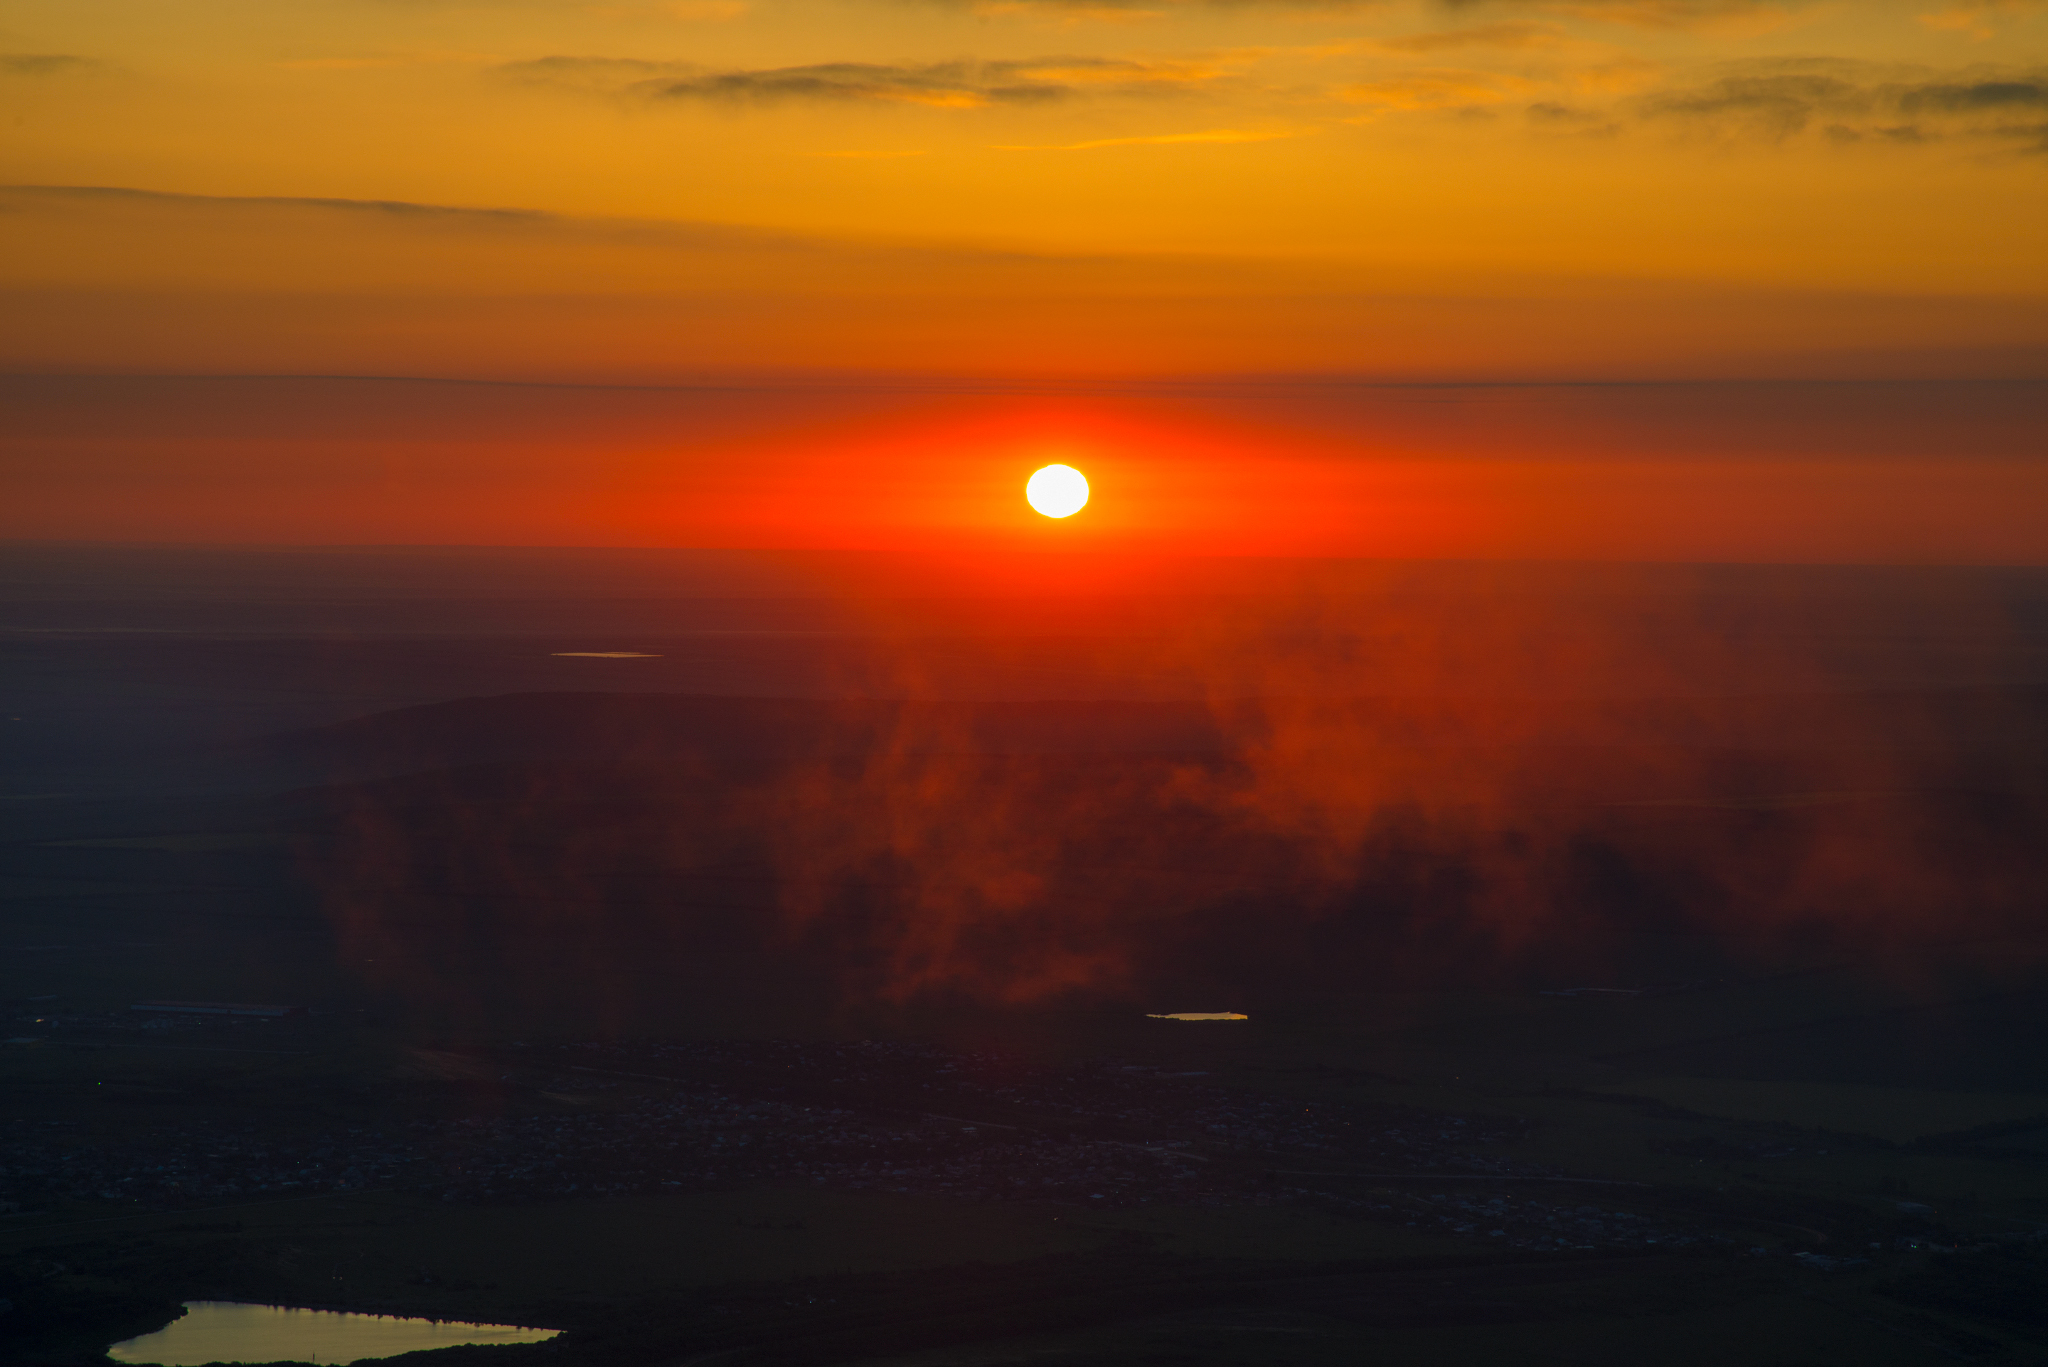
1197	1016
229	1331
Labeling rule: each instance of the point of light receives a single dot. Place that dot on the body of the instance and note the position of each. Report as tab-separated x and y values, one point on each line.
1058	491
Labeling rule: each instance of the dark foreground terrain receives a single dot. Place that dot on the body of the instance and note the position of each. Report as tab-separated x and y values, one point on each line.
1126	1189
767	1024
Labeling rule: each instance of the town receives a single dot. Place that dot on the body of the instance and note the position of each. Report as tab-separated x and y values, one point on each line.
631	1117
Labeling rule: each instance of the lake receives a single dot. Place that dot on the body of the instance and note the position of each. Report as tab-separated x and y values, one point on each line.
230	1331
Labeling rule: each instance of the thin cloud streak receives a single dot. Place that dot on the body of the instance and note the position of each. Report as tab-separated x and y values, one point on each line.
1213	136
1515	36
391	207
961	84
1980	19
1698	16
44	64
1854	102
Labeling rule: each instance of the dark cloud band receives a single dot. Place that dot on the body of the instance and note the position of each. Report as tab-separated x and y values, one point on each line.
955	84
43	64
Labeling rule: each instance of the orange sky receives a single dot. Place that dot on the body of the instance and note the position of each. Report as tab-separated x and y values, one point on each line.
659	189
940	242
1775	471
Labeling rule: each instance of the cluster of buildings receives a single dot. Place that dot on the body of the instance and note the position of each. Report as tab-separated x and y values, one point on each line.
199	1164
703	1139
1516	1220
1134	1101
620	1119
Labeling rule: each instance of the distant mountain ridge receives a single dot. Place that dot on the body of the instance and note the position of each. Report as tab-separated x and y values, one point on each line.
737	735
752	735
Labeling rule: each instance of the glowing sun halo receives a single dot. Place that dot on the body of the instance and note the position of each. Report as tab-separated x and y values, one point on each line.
1058	491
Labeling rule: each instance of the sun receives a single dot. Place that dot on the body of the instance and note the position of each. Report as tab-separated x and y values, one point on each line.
1058	491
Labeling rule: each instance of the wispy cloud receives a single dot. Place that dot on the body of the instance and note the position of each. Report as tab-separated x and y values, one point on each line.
384	207
940	85
1557	117
290	214
1980	18
604	74
1853	102
1439	89
1068	11
1714	16
44	64
1224	136
1516	36
944	85
1838	100
1977	97
1131	11
1774	105
383	60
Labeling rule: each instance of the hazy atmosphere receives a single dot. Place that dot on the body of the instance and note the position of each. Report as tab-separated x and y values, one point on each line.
968	683
661	189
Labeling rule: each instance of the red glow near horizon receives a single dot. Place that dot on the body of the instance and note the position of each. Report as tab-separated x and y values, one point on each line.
1645	472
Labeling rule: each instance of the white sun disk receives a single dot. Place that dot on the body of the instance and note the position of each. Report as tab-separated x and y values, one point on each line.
1058	491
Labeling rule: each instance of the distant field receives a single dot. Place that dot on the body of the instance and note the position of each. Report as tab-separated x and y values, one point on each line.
1897	1114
